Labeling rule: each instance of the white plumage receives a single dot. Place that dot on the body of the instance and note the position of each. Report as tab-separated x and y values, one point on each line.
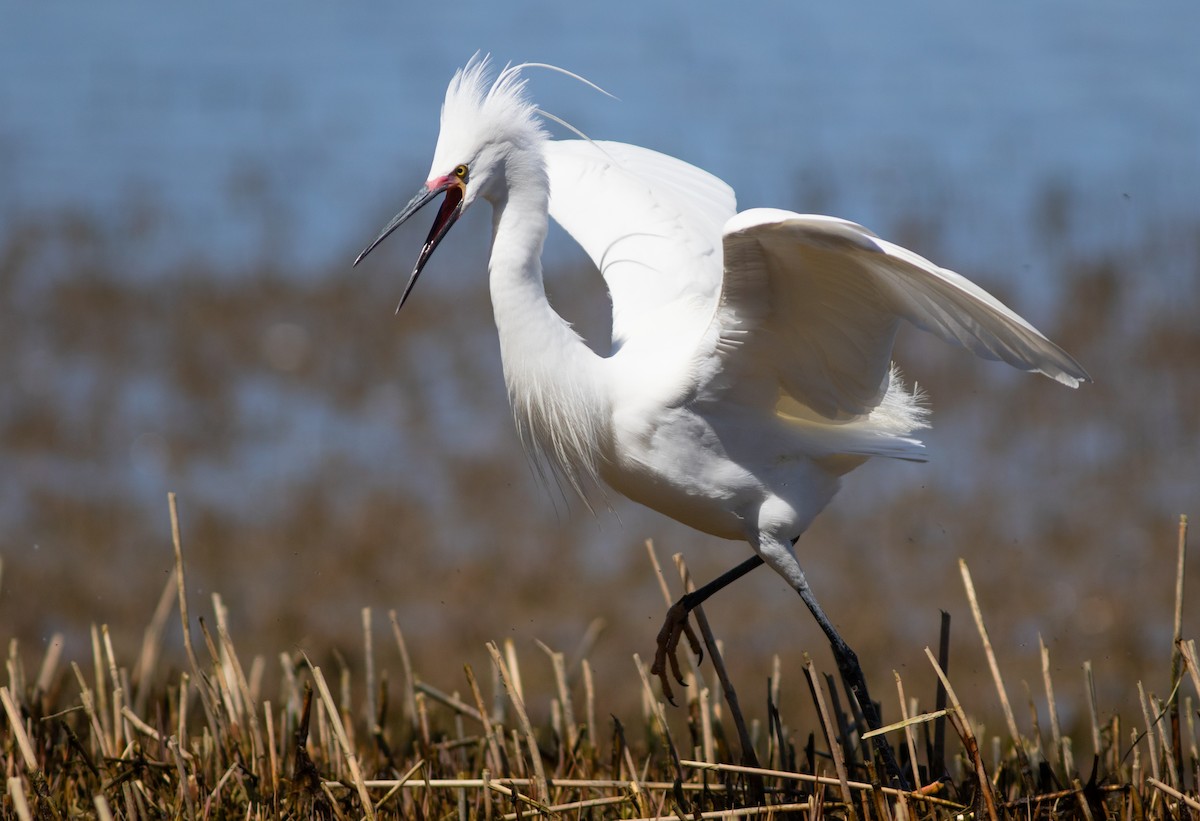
767	328
750	364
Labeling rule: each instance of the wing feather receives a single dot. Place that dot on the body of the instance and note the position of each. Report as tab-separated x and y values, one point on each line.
651	223
820	299
806	304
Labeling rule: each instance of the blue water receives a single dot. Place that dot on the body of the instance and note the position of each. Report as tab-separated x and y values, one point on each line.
290	130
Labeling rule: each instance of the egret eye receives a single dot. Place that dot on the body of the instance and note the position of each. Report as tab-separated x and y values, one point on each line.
461	172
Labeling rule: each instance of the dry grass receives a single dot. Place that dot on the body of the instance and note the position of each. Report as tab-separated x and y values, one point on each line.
131	737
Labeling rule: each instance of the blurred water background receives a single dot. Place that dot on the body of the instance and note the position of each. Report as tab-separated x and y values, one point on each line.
182	189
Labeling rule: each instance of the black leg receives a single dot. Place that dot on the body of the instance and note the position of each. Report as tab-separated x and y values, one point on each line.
852	674
676	625
697	597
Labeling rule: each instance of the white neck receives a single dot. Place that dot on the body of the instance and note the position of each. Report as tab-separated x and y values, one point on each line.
554	379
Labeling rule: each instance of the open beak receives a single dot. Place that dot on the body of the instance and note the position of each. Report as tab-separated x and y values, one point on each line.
448	214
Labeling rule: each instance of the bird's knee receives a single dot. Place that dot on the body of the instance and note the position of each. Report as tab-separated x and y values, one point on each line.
779	557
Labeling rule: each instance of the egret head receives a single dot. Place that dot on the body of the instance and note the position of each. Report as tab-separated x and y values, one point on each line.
489	138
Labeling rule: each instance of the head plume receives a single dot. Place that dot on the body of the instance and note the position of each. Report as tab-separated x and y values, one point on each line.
480	110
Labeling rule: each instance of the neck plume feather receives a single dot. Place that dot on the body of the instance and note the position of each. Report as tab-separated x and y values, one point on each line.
553	377
556	418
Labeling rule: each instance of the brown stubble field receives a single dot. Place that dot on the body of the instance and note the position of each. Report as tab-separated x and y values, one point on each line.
330	458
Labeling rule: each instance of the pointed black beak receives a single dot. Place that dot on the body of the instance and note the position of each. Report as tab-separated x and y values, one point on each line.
447	215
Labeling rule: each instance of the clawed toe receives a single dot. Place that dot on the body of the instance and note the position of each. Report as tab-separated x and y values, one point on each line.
667	653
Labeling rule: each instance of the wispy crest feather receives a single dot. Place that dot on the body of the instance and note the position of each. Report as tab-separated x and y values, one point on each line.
475	103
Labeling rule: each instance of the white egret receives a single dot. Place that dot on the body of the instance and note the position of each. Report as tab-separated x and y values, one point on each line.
750	364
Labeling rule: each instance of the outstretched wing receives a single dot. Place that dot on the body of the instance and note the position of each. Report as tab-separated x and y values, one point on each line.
814	303
651	223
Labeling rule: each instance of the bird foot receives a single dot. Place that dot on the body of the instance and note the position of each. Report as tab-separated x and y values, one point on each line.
675	625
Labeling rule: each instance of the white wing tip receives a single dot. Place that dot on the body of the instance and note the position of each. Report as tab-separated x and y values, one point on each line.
1070	380
1065	371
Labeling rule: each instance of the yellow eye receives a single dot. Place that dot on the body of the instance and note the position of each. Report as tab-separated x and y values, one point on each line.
461	172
